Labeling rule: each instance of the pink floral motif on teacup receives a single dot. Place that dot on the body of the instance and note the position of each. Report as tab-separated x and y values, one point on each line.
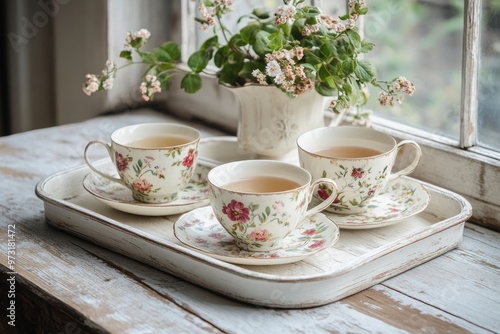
259	220
358	159
154	160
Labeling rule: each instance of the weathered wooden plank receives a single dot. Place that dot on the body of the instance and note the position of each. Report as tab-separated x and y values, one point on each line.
52	263
98	290
379	309
464	281
49	267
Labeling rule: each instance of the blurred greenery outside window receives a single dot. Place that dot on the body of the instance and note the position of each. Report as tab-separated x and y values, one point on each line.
423	41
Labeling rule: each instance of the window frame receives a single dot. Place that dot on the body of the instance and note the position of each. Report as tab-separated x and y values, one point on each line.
461	167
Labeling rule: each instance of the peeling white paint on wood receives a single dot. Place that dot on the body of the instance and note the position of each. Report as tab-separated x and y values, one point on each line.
93	290
359	260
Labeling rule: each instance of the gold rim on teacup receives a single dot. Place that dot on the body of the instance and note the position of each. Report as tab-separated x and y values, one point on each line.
360	160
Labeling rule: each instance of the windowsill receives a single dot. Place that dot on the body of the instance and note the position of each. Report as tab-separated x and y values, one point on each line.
468	172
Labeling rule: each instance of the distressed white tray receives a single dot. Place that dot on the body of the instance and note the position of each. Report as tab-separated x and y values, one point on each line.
360	259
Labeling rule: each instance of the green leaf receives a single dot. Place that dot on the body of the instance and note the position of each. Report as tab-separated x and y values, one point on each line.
366	46
313	57
165	81
260	45
348	66
356	94
328	50
210	43
148	57
228	74
276	41
261	13
221	56
163	67
365	71
268	210
297	28
354	38
249	67
326	72
247	34
126	54
237	41
312	11
199	60
191	83
361	10
173	50
309	67
348	92
161	55
324	89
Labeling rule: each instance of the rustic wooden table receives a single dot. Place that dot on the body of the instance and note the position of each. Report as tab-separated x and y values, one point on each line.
53	282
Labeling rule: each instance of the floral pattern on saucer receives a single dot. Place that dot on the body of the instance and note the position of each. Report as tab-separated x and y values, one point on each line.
117	196
200	230
402	198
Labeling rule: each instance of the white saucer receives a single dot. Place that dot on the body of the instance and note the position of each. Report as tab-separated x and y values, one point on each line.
402	198
217	150
200	230
117	196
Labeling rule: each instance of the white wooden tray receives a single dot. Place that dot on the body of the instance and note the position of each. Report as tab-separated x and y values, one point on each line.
360	259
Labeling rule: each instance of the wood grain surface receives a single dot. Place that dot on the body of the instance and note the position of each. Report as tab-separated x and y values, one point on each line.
64	284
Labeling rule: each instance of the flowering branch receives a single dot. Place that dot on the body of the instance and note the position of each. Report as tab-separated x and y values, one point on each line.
298	49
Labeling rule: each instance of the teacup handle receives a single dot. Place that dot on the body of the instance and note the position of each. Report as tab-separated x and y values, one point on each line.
413	165
110	152
326	203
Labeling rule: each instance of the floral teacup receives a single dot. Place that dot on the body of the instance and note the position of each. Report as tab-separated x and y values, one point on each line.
154	160
259	202
358	159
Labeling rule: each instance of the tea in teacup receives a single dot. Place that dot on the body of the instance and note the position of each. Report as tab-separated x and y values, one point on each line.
159	141
262	184
358	159
348	152
259	202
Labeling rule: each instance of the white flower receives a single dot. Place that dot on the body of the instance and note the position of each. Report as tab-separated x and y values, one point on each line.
143	33
273	68
280	79
108	83
91	85
143	88
150	78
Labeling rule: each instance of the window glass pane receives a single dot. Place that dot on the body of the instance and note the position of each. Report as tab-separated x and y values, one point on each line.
489	76
422	41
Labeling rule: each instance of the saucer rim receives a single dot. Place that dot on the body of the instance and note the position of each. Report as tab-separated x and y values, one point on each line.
258	261
390	221
147	209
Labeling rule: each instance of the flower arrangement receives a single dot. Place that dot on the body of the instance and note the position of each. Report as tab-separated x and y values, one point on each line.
297	49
